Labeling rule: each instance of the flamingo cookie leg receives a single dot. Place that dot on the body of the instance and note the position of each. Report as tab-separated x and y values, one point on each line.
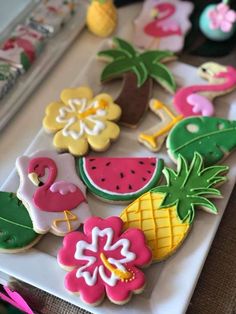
52	192
154	138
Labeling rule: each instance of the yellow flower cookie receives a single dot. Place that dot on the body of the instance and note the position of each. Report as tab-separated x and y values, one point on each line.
80	120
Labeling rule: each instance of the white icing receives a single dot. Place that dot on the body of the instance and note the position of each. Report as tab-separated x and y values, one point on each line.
91	278
79	106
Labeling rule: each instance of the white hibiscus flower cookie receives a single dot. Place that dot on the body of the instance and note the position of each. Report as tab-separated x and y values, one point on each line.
80	120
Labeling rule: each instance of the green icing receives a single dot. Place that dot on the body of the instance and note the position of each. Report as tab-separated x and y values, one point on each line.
16	229
124	58
213	138
80	166
191	186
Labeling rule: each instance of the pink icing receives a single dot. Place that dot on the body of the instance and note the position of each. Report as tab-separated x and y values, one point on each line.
16	300
181	97
46	197
201	105
90	277
129	174
63	187
163	26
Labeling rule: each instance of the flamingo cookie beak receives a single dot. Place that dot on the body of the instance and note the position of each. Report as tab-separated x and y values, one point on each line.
34	178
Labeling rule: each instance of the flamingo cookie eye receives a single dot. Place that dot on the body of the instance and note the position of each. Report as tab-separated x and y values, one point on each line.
55	204
110	266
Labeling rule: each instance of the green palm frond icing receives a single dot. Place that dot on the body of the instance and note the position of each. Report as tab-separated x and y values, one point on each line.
124	58
191	186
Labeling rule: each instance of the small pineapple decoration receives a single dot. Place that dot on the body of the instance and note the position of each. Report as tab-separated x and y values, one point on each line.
102	17
166	213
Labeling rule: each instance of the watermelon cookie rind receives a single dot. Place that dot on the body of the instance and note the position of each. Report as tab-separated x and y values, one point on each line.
112	195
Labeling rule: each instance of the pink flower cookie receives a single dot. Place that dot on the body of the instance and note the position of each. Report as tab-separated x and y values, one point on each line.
104	261
52	192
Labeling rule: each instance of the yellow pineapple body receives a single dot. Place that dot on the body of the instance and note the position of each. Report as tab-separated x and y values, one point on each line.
102	18
163	229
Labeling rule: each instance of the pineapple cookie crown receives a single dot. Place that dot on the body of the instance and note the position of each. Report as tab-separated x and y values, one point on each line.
191	186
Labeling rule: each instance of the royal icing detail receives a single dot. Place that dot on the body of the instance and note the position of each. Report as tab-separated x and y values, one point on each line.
214	138
120	179
15	224
163	24
104	261
167	211
52	192
154	137
138	69
101	17
196	100
80	120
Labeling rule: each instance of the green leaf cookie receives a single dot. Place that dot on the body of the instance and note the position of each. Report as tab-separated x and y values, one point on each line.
213	138
16	228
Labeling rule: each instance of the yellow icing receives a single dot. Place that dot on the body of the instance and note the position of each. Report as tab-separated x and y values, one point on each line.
69	217
152	139
80	120
123	275
102	18
163	229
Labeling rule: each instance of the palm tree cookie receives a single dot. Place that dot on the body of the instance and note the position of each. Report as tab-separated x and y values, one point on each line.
166	213
138	70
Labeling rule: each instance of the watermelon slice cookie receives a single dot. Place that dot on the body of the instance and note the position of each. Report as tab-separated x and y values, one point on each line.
118	179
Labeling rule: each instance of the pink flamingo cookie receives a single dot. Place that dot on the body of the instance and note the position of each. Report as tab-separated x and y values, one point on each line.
162	24
104	261
197	100
52	192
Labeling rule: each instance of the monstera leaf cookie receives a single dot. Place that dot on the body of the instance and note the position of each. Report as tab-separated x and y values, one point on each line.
214	138
16	228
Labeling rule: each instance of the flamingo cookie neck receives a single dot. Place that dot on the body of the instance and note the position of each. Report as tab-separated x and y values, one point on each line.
196	100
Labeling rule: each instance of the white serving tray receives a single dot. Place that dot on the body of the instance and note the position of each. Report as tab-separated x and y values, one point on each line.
170	284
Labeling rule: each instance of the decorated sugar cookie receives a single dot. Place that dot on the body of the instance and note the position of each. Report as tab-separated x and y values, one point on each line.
166	213
52	192
195	100
80	121
138	70
16	227
101	17
103	261
120	179
214	138
162	24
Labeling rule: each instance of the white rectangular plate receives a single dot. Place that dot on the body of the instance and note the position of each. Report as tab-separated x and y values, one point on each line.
170	284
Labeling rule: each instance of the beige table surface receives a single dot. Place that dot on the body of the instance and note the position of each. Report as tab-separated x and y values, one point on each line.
22	129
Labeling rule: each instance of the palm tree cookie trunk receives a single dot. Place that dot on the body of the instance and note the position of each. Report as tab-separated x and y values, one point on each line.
133	100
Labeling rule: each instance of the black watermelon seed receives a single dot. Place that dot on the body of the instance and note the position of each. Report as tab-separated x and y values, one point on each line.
108	163
132	171
91	159
103	179
121	175
144	179
117	187
149	171
130	187
141	162
153	164
94	167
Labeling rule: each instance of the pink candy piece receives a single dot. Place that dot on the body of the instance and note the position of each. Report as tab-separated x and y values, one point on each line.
16	300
